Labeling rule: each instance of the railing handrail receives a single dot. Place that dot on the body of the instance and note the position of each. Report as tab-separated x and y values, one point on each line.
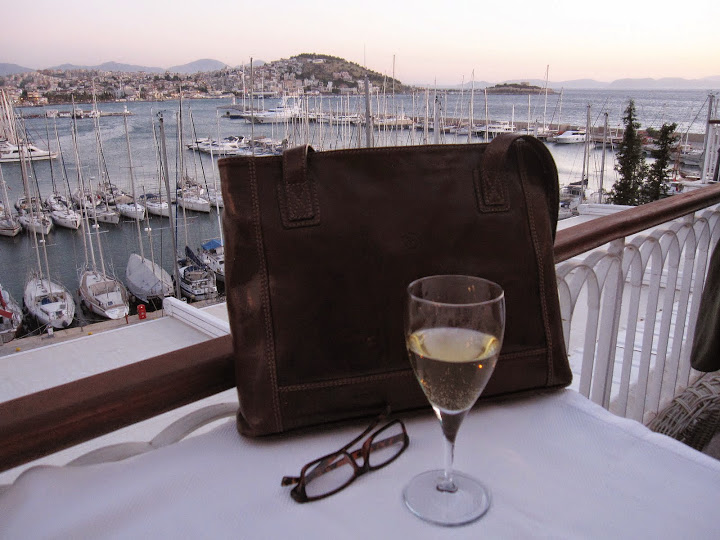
51	420
592	234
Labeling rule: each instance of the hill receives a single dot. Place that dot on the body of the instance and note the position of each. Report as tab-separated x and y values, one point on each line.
326	68
110	66
11	69
198	66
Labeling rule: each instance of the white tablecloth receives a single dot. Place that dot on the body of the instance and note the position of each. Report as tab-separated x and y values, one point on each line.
558	466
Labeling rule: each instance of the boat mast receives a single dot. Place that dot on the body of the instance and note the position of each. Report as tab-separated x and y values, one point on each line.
52	169
166	179
26	186
602	160
586	157
472	107
706	152
252	109
547	73
436	117
62	162
132	185
81	185
487	118
183	175
368	117
100	149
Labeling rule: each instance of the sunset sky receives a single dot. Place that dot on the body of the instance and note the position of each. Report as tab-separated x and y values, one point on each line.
430	41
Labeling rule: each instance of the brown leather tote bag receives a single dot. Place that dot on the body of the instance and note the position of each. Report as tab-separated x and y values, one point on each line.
320	247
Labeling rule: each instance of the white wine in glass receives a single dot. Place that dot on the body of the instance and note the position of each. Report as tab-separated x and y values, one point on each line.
454	327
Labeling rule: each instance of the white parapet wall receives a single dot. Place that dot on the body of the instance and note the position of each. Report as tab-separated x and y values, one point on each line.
205	322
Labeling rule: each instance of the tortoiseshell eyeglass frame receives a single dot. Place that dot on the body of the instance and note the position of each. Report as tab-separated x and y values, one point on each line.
342	457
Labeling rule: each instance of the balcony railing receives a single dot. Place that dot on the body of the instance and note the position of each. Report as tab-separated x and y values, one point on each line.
629	311
635	276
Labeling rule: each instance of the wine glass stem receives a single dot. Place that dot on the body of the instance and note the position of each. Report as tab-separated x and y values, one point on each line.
446	482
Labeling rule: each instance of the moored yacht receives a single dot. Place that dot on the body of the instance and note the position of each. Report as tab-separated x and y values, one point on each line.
197	281
212	254
49	303
13	153
36	222
276	115
9	225
66	217
192	197
103	295
155	205
131	210
147	281
570	136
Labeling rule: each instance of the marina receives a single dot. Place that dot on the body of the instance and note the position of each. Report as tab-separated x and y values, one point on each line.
185	174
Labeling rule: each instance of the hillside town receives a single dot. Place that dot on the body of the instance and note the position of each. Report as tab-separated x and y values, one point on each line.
305	74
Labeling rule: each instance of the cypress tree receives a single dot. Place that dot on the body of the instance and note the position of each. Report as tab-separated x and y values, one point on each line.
631	164
655	186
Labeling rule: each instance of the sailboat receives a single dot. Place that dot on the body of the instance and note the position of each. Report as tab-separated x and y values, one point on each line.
147	281
212	252
9	225
49	303
10	316
31	215
124	204
35	221
197	280
153	202
190	195
62	213
99	292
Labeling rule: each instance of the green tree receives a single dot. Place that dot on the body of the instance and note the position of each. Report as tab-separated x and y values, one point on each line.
631	165
656	184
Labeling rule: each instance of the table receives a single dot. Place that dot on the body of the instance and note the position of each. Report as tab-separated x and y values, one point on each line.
558	466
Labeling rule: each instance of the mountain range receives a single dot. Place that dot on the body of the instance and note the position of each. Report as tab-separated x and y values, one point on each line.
675	83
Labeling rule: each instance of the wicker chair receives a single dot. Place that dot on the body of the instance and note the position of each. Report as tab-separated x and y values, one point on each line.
692	417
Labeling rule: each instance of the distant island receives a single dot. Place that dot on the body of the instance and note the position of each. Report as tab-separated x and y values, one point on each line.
522	88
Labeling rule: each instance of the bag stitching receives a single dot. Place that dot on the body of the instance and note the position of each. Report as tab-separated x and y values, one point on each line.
269	348
386	376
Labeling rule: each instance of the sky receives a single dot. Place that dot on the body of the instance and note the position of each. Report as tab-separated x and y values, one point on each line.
420	41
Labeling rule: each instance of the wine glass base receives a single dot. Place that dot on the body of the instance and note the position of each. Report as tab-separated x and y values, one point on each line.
425	500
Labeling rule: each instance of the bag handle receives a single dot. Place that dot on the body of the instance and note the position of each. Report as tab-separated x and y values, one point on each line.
492	196
299	206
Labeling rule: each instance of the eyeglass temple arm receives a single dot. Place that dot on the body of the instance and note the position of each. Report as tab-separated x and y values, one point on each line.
289	480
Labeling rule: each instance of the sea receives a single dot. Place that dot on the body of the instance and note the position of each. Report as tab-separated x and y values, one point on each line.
103	153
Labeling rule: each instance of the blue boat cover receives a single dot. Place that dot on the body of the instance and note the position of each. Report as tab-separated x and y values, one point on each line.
212	244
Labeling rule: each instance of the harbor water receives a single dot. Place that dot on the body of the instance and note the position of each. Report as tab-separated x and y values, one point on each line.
204	118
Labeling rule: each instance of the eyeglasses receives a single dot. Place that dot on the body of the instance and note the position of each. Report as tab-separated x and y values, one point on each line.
329	474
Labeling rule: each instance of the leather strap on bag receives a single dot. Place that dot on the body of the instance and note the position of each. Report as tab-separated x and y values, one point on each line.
491	192
299	206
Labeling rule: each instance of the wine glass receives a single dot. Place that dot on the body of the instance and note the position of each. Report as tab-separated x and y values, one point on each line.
454	328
